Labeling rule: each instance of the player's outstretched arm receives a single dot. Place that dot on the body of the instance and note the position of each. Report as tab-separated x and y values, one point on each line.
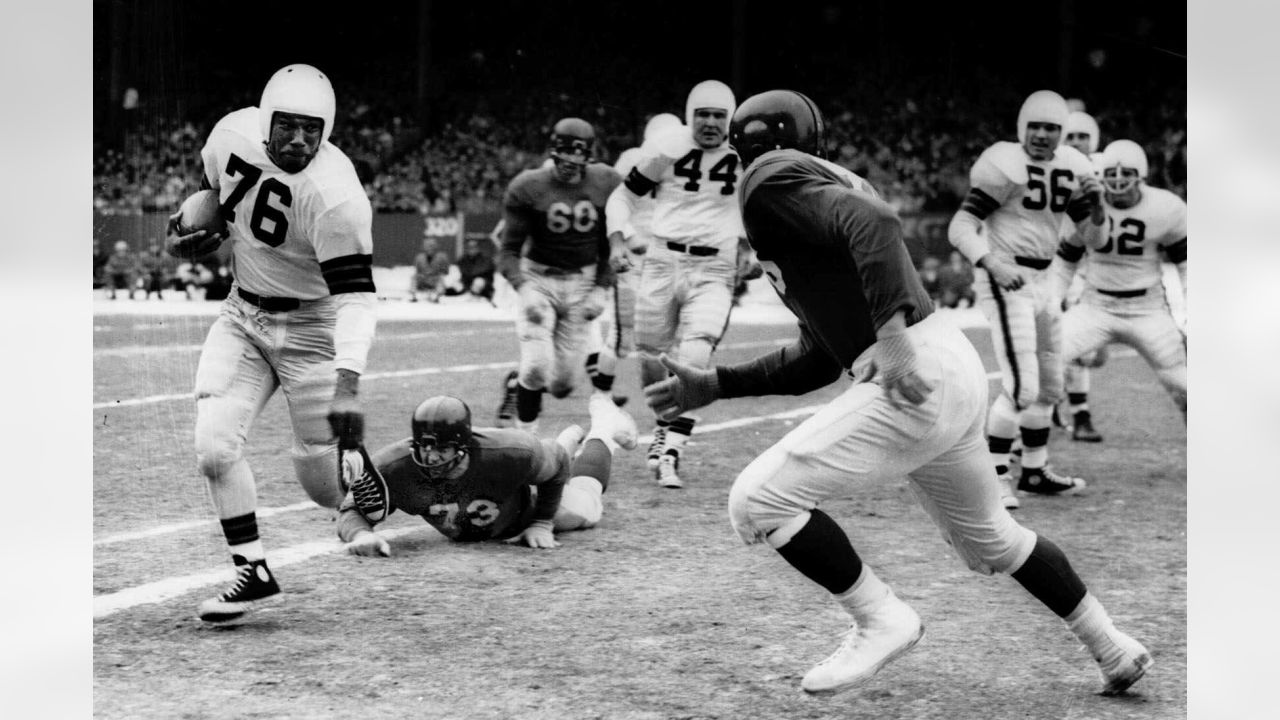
687	388
368	543
540	534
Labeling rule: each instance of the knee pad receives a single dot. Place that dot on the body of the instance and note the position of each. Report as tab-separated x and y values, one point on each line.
581	505
1002	418
1002	549
316	467
755	510
560	389
533	376
217	452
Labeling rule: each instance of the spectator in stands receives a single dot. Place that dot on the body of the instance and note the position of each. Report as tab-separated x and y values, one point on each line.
122	270
929	277
430	267
193	279
955	282
157	271
100	257
477	270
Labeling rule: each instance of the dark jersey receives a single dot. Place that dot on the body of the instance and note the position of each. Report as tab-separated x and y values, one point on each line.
492	499
555	224
836	257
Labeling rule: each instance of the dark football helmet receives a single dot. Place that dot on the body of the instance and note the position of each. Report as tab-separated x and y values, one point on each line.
775	120
441	422
572	140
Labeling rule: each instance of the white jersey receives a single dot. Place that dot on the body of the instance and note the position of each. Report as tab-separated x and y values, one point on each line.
1028	199
642	216
286	226
697	201
1131	257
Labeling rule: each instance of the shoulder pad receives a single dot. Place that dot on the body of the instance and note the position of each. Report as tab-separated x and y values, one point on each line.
627	160
242	122
673	144
1075	160
1001	164
855	181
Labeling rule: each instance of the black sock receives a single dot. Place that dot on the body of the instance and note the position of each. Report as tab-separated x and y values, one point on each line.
1047	574
240	529
528	403
822	551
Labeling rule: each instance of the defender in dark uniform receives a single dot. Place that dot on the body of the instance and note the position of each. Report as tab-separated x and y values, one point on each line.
917	406
475	484
555	253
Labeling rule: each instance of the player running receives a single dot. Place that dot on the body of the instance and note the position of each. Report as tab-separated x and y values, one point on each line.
300	316
836	257
691	261
555	254
1008	227
1124	297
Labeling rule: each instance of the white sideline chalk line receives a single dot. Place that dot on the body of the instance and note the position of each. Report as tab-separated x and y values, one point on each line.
130	350
171	587
130	402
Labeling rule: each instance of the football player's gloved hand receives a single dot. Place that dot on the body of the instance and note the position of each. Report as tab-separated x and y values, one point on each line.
539	534
687	389
531	303
369	544
895	362
1005	273
191	245
593	304
749	268
346	419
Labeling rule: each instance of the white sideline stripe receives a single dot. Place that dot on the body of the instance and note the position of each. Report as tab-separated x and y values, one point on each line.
398	374
152	349
190	524
168	588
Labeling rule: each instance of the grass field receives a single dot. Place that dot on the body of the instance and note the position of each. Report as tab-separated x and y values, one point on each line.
659	612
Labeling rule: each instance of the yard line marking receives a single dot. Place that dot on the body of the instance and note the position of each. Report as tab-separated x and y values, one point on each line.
171	587
161	590
132	402
190	524
131	350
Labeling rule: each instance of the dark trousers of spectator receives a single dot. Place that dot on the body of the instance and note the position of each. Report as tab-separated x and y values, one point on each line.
120	281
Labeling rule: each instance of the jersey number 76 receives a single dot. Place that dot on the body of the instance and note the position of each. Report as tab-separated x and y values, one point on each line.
263	212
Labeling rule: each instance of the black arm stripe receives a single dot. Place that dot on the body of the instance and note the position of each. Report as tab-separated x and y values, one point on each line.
1079	209
638	183
1069	252
1177	252
348	274
979	204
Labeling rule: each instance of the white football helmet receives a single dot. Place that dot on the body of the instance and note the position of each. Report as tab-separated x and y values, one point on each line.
709	94
659	124
1044	106
1082	123
300	89
1123	165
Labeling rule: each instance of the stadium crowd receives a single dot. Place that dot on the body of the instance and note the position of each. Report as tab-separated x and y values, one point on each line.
908	137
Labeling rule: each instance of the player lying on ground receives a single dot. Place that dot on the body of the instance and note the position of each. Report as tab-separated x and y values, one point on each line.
476	484
916	409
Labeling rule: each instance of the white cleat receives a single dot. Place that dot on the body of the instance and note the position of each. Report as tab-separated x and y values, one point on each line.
608	418
871	643
1122	662
1008	497
667	474
570	439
